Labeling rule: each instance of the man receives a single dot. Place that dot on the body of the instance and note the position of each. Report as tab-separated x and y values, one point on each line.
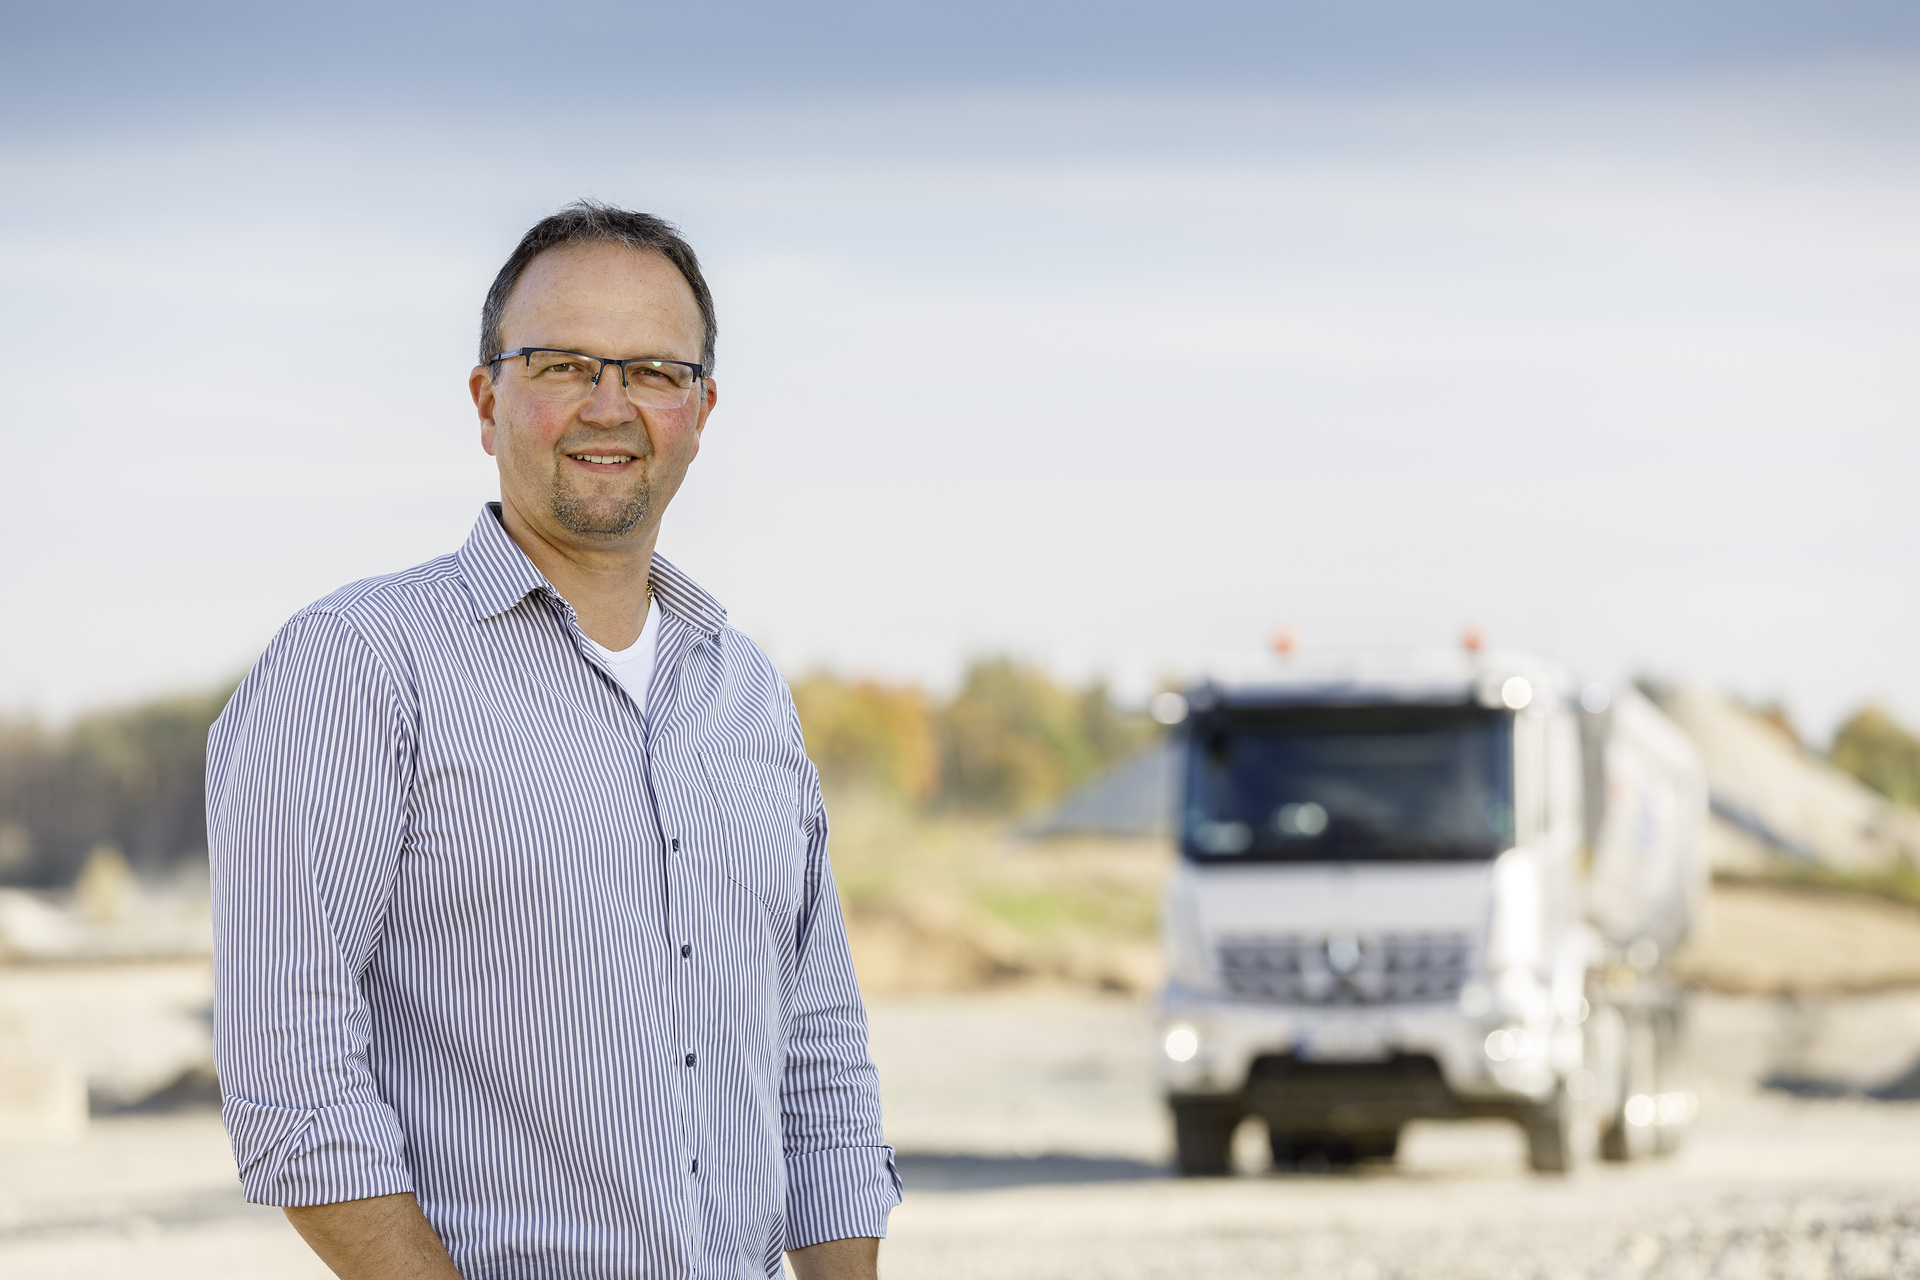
529	958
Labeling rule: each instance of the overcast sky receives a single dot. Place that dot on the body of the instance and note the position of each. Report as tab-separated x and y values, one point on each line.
1113	336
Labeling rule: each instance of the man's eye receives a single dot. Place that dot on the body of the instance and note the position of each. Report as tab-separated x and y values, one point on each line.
563	366
648	371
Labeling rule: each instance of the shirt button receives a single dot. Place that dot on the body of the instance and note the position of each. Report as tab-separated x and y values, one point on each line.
696	1167
689	1059
686	950
676	844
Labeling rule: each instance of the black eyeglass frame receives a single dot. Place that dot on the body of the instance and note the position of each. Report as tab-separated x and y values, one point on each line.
527	354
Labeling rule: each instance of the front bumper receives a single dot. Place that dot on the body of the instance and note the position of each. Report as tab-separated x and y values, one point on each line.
1432	1058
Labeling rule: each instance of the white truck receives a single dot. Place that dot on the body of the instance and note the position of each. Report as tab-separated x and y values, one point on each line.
1427	886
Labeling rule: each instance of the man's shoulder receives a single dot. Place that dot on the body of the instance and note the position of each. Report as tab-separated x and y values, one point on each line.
372	606
750	660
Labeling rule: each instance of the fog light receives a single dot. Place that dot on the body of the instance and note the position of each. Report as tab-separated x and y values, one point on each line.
1182	1043
1674	1108
1508	1043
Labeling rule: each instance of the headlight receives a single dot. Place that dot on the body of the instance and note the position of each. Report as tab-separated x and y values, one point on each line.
1182	1043
1508	1043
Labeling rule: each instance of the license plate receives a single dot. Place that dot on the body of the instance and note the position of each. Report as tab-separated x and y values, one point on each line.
1340	1044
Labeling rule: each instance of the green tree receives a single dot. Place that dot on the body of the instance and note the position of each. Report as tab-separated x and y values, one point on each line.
1878	750
871	736
1012	739
133	778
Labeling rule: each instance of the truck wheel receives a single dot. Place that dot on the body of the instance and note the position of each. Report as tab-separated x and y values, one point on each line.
1377	1146
1552	1131
1629	1134
1320	1151
1203	1140
1671	1075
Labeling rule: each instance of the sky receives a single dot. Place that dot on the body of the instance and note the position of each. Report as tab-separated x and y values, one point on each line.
1112	336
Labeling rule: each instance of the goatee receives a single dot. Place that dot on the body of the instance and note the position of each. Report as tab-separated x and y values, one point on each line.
604	517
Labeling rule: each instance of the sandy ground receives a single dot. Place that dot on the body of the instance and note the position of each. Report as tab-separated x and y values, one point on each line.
1047	1163
1033	1146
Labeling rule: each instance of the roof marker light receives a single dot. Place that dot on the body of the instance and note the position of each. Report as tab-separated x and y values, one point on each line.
1167	707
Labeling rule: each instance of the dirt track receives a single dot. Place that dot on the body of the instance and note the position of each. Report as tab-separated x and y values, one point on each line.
1033	1147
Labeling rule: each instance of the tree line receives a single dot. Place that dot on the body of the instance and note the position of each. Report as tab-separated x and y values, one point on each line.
131	779
1009	740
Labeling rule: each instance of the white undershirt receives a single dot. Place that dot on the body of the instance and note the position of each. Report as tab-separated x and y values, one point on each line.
633	665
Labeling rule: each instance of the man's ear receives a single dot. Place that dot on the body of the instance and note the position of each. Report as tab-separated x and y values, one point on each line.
480	386
710	393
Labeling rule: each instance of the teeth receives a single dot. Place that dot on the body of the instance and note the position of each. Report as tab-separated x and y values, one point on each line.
606	458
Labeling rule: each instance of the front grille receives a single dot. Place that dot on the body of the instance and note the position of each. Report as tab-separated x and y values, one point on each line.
1391	968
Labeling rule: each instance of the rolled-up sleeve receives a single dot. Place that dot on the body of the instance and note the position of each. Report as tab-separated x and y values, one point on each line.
308	772
841	1179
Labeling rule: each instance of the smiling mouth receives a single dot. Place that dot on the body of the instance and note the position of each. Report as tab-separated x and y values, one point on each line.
602	459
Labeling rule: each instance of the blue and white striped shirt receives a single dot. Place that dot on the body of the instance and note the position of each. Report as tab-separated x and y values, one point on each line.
575	977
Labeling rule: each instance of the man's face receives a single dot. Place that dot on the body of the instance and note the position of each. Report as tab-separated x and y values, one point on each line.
595	473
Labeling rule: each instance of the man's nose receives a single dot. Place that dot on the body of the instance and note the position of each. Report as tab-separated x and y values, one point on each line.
609	403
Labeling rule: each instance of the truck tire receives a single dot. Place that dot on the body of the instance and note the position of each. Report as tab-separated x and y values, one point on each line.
1553	1134
1203	1140
1330	1150
1671	1074
1639	1078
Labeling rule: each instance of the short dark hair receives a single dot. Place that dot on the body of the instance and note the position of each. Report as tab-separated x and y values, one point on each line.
588	221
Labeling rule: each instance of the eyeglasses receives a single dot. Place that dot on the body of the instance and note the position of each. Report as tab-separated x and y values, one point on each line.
552	374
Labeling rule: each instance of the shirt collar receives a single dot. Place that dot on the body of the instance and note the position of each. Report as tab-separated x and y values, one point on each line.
499	576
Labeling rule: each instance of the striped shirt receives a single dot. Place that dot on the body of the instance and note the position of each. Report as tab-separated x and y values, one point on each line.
574	976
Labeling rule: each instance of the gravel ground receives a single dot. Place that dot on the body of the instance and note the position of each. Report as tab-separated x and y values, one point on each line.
1820	1179
1151	1232
1034	1148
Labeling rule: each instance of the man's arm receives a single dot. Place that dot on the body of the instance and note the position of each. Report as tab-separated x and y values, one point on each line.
855	1259
308	772
841	1180
388	1238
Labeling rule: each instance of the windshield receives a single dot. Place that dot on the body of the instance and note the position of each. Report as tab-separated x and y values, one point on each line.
1349	783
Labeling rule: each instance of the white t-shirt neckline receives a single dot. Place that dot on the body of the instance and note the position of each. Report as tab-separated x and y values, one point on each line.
633	665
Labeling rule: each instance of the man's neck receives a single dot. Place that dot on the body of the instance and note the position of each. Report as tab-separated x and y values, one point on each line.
606	585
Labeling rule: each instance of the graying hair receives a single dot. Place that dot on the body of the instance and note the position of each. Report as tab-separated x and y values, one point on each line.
589	221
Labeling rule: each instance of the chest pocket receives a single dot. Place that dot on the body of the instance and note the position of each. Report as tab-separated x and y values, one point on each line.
763	847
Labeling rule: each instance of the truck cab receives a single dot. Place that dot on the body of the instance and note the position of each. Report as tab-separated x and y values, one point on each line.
1426	886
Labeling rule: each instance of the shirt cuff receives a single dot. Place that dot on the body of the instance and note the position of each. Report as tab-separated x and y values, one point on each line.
840	1193
291	1157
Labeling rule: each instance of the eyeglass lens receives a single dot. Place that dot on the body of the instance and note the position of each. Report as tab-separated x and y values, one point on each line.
560	375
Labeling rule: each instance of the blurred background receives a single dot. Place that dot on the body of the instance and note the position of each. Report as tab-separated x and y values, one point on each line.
1107	339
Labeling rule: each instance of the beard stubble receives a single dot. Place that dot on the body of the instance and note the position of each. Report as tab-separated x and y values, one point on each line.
594	518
